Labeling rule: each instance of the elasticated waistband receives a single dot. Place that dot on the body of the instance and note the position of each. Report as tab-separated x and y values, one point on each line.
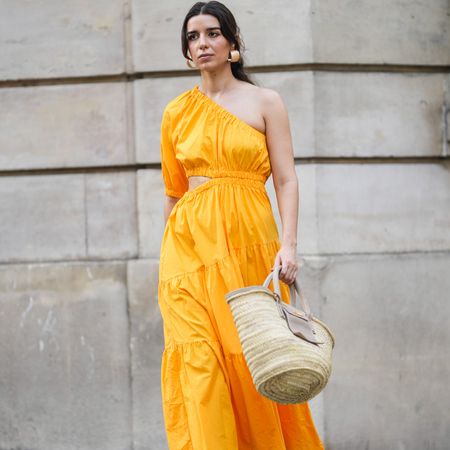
213	173
255	184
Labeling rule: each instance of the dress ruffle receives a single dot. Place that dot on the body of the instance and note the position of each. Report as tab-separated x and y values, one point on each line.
196	374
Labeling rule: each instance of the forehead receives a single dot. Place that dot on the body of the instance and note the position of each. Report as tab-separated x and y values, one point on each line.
202	22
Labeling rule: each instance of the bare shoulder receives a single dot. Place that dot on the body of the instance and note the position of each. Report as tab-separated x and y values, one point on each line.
271	99
269	95
267	99
271	103
261	93
261	107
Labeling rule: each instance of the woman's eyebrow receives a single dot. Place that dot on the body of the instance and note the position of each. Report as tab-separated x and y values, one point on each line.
208	29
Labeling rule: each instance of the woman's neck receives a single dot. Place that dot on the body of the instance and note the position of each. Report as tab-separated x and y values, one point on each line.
213	84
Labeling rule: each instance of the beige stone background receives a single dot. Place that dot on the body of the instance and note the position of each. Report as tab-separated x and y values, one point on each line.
82	87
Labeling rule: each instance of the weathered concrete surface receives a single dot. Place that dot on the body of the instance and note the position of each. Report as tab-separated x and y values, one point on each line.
66	217
291	43
362	114
381	32
157	29
64	126
111	216
43	218
150	98
150	189
64	377
371	208
156	35
146	353
389	387
446	113
47	39
378	114
382	207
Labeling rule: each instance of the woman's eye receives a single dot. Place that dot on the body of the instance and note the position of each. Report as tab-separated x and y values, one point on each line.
213	33
191	37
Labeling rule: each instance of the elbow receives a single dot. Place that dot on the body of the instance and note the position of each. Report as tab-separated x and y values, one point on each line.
290	181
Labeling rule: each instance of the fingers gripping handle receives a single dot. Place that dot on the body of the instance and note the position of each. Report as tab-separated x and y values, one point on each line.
294	290
299	319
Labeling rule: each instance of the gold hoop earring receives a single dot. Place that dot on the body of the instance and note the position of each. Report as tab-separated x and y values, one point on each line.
190	64
235	56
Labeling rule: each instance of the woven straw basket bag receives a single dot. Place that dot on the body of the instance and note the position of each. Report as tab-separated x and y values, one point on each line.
287	350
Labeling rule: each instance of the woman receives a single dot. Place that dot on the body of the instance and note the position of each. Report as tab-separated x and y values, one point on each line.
220	141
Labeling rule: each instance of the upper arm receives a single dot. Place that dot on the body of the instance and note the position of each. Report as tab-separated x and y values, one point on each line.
174	176
278	137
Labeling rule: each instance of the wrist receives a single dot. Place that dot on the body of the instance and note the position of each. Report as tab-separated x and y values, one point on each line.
290	244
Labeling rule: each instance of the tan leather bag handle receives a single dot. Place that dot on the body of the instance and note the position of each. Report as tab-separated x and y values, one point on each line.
294	289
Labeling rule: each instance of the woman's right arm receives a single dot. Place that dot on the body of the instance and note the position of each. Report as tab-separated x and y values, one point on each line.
174	176
169	203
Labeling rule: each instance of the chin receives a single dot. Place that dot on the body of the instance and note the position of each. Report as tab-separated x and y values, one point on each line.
209	66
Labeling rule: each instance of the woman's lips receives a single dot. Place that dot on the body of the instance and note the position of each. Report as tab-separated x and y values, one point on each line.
204	56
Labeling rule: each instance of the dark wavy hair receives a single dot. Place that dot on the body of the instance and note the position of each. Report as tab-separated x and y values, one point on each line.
229	29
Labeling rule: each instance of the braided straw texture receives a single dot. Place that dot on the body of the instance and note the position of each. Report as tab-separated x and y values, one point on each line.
284	367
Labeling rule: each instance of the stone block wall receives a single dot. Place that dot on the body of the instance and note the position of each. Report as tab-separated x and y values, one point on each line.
82	88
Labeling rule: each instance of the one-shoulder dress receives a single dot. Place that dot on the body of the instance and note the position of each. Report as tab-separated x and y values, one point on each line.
220	236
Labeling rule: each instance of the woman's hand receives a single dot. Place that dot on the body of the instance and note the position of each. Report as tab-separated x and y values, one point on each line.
287	259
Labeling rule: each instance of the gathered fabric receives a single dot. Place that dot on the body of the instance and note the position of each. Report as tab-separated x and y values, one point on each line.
220	236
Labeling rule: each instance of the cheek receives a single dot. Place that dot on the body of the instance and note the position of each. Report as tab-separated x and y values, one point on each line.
222	46
190	46
226	47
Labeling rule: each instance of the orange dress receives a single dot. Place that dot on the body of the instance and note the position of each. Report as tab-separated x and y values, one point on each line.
219	236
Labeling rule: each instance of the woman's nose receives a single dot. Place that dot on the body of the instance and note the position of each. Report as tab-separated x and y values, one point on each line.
202	41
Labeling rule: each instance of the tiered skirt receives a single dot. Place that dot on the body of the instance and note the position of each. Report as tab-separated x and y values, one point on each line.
219	237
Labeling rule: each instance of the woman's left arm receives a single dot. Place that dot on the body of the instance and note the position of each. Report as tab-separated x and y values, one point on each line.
279	144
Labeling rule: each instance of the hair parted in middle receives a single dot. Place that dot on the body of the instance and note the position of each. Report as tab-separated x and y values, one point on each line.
228	27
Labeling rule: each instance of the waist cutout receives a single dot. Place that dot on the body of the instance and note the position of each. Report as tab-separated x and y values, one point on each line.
200	176
196	181
207	182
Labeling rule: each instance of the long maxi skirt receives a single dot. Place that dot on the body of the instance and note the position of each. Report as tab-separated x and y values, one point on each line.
220	236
